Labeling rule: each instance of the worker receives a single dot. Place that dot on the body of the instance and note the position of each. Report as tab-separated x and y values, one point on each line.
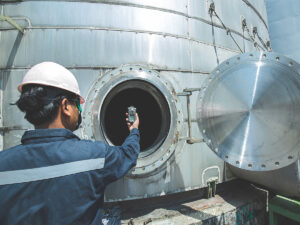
53	177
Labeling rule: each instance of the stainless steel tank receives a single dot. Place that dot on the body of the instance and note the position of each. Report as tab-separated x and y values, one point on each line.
152	54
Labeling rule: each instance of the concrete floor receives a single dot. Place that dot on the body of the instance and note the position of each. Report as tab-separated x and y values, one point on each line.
236	203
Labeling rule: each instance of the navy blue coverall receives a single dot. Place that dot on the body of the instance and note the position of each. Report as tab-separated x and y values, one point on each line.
55	178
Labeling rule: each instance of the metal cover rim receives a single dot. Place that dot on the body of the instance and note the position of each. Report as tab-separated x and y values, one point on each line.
244	124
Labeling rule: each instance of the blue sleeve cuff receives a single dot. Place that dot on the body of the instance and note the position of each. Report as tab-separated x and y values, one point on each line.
135	131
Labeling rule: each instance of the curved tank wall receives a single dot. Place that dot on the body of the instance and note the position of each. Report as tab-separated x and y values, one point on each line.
168	47
283	20
285	181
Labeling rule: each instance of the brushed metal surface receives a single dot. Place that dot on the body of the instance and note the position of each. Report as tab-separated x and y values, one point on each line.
284	22
93	48
248	111
285	181
112	16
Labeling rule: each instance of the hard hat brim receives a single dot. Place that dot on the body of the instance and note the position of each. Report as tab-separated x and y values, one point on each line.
82	100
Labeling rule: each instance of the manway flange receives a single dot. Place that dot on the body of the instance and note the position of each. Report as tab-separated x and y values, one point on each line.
104	84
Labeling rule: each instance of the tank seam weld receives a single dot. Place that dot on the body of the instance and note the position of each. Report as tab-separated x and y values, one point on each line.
2	69
129	31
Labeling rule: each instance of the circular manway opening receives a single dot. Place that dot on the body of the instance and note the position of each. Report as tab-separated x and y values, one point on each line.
152	108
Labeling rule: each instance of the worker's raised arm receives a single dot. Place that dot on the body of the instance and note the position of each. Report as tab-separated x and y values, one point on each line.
120	159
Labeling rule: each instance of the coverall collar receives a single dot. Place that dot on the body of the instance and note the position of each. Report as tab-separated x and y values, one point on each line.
40	135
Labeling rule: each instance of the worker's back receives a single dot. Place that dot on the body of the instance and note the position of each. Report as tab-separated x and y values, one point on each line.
56	178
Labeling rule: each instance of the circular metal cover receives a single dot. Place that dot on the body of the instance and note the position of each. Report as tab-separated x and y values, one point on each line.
249	111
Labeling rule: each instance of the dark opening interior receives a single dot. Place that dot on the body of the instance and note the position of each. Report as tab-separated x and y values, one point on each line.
152	108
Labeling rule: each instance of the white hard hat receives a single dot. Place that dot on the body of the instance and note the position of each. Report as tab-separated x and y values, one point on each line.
54	75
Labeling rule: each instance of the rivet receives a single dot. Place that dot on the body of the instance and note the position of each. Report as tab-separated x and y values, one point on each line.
264	55
290	157
251	55
263	165
226	156
277	58
291	64
277	163
237	162
249	165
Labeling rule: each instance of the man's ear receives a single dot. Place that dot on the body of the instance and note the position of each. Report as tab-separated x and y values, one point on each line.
66	107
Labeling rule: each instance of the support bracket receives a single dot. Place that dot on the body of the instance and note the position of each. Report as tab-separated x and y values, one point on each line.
12	22
188	92
211	188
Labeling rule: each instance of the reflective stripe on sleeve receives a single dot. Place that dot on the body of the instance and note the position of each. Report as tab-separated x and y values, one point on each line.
48	172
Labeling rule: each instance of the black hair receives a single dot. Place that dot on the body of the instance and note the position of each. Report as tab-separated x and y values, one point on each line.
40	103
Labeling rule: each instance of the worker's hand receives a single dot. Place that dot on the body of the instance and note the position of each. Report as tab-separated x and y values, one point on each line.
133	125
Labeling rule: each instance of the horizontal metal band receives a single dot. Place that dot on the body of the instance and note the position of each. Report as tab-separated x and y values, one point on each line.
164	34
6	129
3	69
48	172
